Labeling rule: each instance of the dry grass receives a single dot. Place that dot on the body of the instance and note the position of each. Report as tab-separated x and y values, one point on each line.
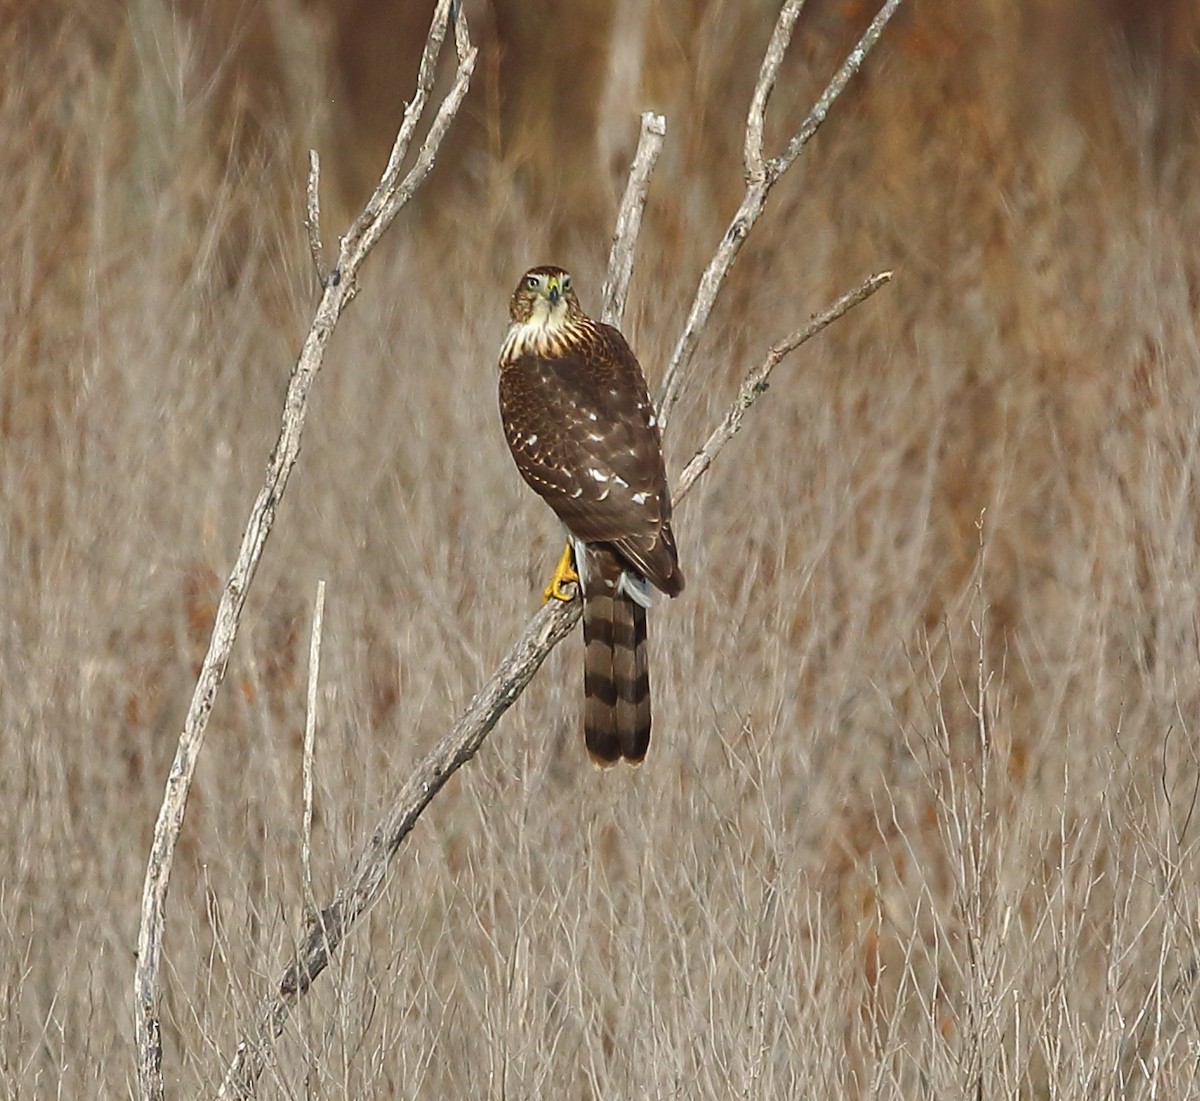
918	819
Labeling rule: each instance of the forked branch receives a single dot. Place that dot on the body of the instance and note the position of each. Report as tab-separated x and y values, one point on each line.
327	929
393	192
761	175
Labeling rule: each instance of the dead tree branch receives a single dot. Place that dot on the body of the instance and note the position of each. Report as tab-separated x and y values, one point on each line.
629	218
756	381
312	217
761	175
394	190
310	737
326	930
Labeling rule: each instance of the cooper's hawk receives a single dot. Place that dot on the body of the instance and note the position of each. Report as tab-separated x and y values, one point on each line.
582	429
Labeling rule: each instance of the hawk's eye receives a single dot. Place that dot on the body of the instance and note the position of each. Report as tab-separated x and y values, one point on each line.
566	284
531	281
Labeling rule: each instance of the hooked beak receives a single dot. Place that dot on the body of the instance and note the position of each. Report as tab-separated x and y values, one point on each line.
553	290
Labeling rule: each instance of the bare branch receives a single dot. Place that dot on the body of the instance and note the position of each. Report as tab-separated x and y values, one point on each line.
362	238
758	185
336	294
752	153
312	217
412	115
629	218
833	89
756	381
328	929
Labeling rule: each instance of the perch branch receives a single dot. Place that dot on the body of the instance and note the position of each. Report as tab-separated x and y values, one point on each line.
336	294
761	176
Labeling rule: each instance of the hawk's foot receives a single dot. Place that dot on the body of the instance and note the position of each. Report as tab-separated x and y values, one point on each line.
564	574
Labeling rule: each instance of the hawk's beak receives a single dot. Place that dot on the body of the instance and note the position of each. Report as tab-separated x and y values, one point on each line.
553	291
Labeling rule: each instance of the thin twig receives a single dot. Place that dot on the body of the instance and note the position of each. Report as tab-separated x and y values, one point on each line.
760	178
393	191
337	293
752	152
629	218
310	732
756	381
820	109
312	217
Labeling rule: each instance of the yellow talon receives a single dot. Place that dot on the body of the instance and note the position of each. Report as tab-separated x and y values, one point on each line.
564	574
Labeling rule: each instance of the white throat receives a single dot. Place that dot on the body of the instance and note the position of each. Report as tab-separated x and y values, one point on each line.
540	334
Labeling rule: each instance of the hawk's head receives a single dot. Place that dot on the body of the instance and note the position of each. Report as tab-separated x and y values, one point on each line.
544	299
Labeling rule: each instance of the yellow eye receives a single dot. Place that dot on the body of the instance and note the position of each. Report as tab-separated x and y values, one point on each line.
566	283
531	281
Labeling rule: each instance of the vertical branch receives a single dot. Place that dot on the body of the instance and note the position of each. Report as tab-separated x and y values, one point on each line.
393	191
426	72
629	218
388	198
752	150
312	217
820	109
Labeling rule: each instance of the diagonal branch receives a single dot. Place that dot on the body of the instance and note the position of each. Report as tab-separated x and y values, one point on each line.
756	382
392	193
820	110
761	176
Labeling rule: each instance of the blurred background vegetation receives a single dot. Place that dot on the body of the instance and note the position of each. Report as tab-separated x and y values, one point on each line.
975	495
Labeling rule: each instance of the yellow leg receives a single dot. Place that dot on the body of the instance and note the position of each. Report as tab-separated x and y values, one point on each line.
564	574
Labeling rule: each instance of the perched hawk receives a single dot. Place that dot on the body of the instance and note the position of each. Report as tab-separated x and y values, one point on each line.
582	429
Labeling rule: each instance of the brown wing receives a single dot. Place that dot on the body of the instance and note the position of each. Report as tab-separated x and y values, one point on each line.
581	428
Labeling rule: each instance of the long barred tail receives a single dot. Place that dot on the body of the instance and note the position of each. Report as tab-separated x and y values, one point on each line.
616	677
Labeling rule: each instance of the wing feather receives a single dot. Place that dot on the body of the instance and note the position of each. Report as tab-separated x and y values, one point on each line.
582	429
